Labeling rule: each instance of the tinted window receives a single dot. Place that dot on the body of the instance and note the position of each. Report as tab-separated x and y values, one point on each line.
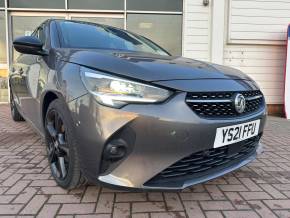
96	4
85	35
155	5
2	4
165	30
41	34
36	3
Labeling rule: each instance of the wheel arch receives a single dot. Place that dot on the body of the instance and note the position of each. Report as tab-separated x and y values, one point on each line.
47	98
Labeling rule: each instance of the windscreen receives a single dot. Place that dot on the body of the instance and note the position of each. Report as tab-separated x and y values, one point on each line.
94	36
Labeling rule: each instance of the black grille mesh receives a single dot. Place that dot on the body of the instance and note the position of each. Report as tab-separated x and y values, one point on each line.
210	105
204	161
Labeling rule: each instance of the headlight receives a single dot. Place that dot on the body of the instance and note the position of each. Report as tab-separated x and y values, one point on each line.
116	92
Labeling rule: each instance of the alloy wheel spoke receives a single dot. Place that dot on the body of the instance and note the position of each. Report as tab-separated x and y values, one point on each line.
61	139
51	152
57	122
62	166
51	130
62	144
54	169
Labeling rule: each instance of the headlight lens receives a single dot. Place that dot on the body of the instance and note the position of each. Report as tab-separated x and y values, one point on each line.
116	92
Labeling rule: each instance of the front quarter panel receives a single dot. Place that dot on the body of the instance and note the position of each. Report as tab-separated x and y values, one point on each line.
64	82
69	81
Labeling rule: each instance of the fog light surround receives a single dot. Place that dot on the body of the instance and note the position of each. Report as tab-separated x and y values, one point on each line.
115	150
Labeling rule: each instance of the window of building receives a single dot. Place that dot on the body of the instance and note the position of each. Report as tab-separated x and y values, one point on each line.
3	60
24	26
96	4
155	5
54	4
116	22
165	30
2	4
3	57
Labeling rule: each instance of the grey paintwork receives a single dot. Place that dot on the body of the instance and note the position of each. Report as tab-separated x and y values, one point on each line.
148	67
158	134
163	134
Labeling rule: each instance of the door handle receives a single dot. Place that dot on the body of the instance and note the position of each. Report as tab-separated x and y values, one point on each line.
21	71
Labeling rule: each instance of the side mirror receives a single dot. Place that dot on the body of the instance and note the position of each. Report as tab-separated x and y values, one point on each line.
29	45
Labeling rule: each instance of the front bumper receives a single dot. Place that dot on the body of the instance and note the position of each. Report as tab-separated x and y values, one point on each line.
158	135
115	181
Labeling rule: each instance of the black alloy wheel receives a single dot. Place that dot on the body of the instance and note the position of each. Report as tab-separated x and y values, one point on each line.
62	146
57	148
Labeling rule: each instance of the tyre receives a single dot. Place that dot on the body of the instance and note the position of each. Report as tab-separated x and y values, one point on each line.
16	116
62	146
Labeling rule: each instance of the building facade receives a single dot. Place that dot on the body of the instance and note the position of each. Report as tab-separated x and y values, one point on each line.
245	34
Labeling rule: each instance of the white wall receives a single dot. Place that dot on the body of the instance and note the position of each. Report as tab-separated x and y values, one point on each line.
258	20
196	30
265	64
254	38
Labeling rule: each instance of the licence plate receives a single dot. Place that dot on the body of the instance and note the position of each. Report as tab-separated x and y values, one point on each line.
232	134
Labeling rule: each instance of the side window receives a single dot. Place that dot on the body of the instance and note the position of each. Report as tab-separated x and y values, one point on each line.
34	33
40	33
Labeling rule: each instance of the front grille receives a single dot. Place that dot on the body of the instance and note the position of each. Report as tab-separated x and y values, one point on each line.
221	104
203	162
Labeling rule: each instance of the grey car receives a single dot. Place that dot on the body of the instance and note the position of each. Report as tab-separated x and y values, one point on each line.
117	109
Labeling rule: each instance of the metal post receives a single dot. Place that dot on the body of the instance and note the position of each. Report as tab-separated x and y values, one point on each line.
125	14
7	46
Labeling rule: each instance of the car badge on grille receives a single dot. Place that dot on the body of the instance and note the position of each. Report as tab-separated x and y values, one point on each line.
240	103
